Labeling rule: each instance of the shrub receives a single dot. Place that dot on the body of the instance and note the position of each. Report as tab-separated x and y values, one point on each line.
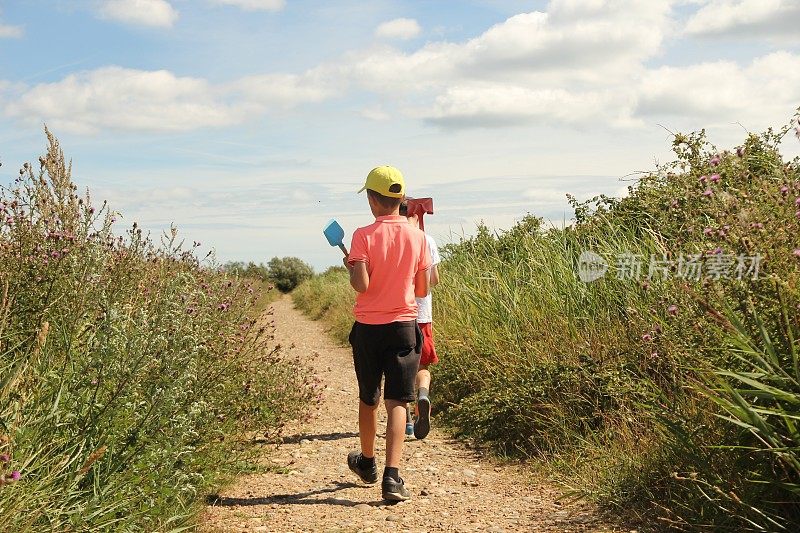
130	375
329	297
288	272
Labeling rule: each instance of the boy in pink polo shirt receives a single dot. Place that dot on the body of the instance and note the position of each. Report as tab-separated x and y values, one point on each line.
388	264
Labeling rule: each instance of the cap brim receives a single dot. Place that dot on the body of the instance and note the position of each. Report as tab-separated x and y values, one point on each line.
362	189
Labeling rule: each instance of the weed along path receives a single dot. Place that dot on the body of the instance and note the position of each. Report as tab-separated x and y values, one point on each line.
311	489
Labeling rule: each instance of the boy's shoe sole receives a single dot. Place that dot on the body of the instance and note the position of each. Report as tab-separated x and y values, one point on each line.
394	491
422	426
367	475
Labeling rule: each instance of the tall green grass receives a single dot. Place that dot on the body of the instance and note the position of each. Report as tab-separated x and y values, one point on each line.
675	399
328	297
130	374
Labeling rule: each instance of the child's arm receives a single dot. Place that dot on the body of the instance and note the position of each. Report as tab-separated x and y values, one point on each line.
359	277
422	283
434	275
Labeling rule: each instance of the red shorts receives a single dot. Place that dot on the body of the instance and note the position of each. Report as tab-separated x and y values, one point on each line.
428	356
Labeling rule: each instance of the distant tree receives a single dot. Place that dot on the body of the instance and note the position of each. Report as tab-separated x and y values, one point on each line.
247	270
288	272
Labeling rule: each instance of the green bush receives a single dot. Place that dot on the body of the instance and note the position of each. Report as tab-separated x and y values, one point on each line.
247	270
329	297
130	375
288	272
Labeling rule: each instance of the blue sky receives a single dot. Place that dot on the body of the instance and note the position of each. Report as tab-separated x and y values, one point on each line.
250	123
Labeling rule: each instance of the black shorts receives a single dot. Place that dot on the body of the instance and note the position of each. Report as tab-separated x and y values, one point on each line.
390	350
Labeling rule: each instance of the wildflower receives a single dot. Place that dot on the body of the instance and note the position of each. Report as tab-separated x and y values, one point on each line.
796	252
703	178
4	458
714	177
674	204
714	161
784	190
797	214
15	475
672	310
740	151
647	337
797	201
708	192
708	231
757	225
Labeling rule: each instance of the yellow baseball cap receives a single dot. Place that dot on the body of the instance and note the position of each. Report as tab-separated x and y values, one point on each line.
387	181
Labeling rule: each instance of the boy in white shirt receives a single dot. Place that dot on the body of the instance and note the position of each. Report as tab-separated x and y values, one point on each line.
422	424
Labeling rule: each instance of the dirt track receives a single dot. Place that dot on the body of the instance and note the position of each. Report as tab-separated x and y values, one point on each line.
453	488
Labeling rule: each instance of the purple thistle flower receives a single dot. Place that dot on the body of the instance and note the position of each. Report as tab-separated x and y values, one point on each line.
797	214
796	252
4	458
714	178
784	190
91	210
647	337
15	475
708	231
714	161
672	309
708	192
797	201
703	178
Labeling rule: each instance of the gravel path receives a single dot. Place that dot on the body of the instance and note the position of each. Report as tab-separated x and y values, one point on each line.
311	490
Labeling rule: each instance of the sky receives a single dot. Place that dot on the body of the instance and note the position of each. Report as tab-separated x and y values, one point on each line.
249	124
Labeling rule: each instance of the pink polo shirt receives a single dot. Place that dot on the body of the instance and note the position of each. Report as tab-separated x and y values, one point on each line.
394	251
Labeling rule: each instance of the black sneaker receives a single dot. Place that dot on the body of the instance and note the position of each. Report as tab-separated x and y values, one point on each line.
367	475
422	425
394	491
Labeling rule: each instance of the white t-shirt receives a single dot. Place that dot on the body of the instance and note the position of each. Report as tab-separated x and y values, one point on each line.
424	305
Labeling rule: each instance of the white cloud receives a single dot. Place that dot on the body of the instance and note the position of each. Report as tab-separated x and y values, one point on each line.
11	32
763	93
114	98
746	18
402	28
493	105
8	31
155	13
576	62
254	5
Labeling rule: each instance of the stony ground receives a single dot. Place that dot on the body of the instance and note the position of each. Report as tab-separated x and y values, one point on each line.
310	488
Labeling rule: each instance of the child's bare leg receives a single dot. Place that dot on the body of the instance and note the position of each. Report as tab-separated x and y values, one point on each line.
423	380
395	432
367	427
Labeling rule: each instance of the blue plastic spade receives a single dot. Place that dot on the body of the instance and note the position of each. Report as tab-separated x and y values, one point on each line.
335	235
